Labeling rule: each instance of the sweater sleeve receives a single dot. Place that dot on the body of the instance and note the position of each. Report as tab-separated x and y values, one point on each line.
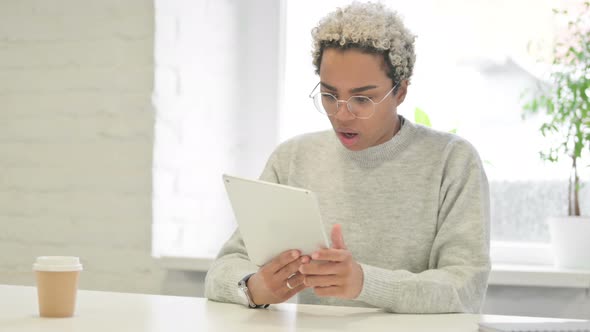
459	263
232	263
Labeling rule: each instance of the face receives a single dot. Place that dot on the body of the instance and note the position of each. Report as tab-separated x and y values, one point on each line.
346	73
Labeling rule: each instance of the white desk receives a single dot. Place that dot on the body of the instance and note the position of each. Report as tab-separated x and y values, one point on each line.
112	312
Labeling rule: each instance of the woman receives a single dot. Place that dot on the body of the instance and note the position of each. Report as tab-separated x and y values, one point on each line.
408	206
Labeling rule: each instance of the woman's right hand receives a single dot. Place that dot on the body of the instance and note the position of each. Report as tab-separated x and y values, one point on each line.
279	279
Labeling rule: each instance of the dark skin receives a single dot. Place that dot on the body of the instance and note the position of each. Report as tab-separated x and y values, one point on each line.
345	73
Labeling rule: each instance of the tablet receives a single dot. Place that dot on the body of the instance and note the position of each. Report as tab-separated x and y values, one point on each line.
273	218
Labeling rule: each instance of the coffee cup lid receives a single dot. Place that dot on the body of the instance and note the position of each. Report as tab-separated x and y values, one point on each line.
57	264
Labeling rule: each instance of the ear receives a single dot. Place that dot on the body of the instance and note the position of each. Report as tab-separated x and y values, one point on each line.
400	96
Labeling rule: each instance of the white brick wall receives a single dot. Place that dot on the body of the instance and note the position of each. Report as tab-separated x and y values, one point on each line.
76	132
77	129
196	81
217	87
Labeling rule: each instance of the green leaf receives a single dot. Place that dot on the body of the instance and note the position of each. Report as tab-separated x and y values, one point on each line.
420	117
453	131
534	105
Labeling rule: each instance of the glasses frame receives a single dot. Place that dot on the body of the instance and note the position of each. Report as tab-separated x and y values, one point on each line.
348	107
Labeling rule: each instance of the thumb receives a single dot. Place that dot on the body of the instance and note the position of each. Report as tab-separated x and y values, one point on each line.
337	238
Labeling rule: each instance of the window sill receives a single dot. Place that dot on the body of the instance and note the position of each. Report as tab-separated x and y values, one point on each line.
501	274
185	263
538	276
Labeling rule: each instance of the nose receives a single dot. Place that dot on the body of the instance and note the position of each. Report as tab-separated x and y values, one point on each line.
342	112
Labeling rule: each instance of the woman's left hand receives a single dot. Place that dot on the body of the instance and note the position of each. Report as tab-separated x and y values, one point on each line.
336	274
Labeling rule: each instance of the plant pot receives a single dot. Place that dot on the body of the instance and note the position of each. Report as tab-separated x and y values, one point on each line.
570	238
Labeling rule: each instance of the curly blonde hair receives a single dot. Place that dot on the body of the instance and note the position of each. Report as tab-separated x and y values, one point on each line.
371	28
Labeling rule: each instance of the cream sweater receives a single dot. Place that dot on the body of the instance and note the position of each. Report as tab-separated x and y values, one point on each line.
414	213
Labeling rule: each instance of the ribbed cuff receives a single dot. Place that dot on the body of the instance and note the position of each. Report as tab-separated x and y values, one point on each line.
379	286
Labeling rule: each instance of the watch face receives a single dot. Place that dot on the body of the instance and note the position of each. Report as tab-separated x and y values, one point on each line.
242	293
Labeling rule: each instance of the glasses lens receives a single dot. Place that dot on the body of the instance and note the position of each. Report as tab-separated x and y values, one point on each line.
361	107
325	103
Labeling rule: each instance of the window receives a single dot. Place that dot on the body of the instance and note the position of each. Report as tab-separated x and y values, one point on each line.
474	58
473	61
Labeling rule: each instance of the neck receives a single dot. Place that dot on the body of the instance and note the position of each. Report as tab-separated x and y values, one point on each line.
395	129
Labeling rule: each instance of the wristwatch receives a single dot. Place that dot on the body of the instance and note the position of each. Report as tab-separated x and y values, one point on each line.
243	287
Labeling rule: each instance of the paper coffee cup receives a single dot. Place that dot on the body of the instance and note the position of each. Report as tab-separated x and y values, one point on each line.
57	284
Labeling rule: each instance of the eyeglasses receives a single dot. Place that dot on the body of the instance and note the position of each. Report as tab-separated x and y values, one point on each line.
361	107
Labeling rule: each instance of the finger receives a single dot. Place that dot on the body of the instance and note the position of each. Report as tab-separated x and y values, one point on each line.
289	269
334	291
331	254
281	260
321	268
292	292
337	237
295	281
322	281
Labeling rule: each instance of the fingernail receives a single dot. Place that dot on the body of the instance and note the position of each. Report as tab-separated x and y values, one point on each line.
315	255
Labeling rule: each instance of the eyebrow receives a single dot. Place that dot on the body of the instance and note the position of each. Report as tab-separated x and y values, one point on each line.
355	90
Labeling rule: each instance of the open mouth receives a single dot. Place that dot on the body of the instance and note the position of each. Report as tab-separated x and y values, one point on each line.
348	138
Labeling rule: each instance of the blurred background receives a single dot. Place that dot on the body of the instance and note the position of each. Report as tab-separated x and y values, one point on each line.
117	119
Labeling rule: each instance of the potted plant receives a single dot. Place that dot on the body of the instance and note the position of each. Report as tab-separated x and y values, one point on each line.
565	102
